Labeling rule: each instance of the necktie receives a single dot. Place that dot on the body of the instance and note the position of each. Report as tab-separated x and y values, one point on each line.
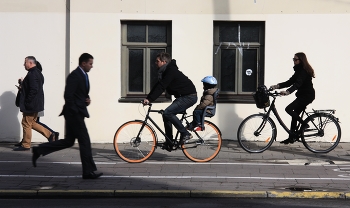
87	80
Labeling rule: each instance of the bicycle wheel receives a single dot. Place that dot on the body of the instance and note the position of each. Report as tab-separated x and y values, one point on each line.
256	133
205	145
131	148
323	135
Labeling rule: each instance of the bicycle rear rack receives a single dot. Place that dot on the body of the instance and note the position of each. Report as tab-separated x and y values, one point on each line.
330	111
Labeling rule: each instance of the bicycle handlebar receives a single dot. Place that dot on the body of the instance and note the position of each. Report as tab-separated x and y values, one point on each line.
273	94
149	104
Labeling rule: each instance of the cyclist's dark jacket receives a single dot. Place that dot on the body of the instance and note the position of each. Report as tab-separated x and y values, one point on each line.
174	82
300	81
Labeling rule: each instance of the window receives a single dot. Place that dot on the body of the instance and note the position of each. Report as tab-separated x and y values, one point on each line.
238	59
141	42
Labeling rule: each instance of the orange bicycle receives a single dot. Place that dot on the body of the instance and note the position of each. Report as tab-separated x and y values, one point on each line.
135	141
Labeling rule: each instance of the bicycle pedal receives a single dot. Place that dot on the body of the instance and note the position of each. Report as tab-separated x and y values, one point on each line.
166	148
198	142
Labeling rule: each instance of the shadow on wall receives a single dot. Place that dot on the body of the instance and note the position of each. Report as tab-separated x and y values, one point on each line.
10	127
229	121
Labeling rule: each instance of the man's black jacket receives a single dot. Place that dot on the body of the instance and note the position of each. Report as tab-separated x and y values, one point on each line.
31	94
174	82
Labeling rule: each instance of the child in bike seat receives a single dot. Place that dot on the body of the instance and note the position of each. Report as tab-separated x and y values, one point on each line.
209	86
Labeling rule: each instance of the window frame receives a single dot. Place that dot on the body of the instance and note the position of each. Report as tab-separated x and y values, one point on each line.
133	97
238	96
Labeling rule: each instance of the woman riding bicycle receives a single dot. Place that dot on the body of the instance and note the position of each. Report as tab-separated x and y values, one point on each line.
302	82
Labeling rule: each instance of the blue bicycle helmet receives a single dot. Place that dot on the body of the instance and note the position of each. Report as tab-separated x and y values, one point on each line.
210	80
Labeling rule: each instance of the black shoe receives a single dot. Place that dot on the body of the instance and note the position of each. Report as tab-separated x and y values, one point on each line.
92	175
305	126
189	127
166	146
288	141
35	156
18	144
57	135
21	148
185	138
52	137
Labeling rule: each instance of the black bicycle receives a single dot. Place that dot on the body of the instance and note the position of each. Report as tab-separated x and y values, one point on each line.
135	141
257	132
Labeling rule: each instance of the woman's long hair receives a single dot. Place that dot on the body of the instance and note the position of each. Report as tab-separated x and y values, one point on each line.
303	60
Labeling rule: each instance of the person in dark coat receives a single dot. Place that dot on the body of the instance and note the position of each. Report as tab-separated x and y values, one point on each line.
301	81
175	83
30	100
76	96
40	114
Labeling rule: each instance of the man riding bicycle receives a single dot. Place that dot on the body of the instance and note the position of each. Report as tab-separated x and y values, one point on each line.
175	83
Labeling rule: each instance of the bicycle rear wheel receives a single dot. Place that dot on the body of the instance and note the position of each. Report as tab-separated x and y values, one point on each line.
323	135
256	133
131	148
205	145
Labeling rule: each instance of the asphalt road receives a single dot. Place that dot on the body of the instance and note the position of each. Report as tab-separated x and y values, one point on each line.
281	171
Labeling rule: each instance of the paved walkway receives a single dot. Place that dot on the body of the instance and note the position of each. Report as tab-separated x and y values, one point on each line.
281	171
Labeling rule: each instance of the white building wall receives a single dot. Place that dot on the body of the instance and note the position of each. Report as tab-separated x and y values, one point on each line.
318	28
34	28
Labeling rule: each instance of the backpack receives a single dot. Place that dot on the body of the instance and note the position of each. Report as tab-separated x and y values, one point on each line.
261	97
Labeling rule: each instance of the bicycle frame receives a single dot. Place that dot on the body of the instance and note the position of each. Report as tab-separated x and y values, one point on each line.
148	117
275	112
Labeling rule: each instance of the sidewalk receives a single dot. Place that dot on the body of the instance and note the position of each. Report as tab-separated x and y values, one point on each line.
282	171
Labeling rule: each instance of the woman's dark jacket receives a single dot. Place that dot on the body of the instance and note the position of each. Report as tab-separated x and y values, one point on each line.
302	82
174	82
31	94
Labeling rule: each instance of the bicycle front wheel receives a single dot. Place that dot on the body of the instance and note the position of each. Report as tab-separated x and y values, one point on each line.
323	134
132	144
205	144
256	133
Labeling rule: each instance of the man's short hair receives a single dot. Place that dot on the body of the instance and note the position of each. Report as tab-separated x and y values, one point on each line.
163	56
31	58
85	58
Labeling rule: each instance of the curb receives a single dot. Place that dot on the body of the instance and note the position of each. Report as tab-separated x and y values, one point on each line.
169	193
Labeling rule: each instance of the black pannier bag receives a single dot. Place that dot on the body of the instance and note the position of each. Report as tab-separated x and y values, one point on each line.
261	97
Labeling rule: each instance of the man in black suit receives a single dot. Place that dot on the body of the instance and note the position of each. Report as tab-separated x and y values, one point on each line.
76	96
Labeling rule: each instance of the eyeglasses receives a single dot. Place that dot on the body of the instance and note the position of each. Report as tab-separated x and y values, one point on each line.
294	59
